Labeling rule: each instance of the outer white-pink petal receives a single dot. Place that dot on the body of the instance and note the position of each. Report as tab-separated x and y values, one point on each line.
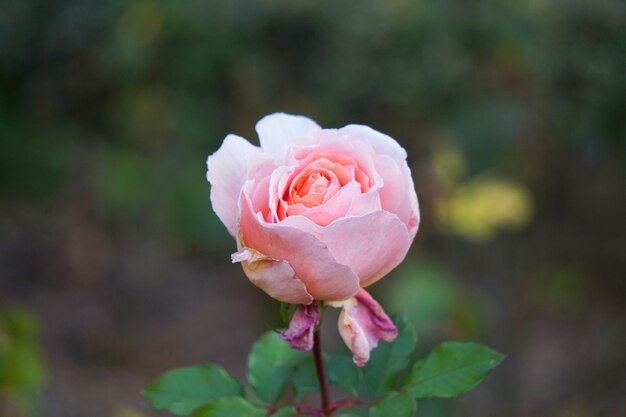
398	195
226	171
382	144
280	131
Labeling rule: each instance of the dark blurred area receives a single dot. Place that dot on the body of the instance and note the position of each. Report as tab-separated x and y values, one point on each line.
113	267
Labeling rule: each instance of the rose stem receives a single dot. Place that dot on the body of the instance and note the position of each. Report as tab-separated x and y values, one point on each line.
321	373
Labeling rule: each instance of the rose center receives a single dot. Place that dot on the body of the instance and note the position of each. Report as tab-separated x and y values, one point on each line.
311	190
315	184
315	181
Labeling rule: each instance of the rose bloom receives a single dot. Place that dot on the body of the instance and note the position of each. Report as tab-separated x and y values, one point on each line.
318	214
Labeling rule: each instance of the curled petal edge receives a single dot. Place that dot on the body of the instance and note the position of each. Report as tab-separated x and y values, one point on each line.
299	335
276	278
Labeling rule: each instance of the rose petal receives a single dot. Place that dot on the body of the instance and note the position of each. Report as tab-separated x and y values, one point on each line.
398	194
382	144
362	323
324	277
372	245
276	278
336	207
278	183
299	335
279	131
227	171
364	203
260	198
342	151
414	208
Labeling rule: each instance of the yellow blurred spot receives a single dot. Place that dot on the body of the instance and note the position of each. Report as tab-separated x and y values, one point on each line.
478	209
141	22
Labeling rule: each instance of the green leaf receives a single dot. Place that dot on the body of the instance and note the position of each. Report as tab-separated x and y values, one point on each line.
230	407
452	369
270	364
304	378
394	404
285	412
344	373
183	390
388	359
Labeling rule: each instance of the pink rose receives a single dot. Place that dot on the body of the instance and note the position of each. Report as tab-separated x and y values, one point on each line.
317	213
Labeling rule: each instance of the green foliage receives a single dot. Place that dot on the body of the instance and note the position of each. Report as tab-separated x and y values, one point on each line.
388	359
183	390
270	365
452	369
285	412
230	407
396	404
207	391
304	377
343	373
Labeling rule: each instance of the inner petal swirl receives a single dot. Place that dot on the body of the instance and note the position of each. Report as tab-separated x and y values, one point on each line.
318	179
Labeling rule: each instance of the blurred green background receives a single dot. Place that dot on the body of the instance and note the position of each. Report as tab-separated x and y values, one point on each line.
113	267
